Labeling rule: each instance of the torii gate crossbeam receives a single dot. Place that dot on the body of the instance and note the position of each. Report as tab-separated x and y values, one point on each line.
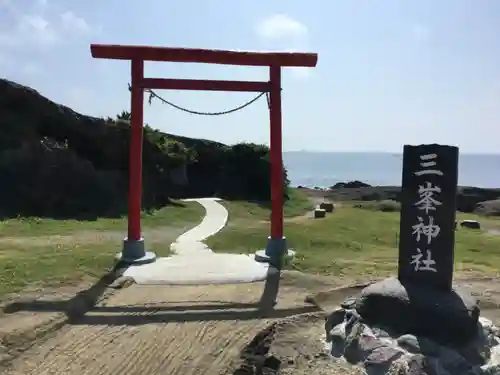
133	249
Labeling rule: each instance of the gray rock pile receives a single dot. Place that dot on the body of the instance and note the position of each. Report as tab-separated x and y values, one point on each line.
386	349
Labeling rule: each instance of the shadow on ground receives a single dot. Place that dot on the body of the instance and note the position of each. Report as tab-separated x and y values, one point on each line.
82	309
74	307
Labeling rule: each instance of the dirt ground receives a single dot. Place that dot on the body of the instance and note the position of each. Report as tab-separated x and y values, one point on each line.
212	329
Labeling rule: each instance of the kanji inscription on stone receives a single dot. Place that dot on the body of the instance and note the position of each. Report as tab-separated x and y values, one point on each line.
428	207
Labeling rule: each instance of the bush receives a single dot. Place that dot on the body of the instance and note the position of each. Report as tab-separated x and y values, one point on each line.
47	179
387	205
56	162
350	185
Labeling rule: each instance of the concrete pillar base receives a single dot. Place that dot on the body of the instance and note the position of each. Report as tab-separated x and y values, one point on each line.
134	253
275	253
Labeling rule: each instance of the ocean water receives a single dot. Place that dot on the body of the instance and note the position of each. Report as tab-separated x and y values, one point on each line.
324	169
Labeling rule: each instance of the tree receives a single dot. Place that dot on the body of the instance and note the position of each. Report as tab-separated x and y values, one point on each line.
124	115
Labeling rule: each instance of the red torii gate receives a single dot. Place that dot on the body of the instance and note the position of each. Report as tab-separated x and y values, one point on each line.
133	248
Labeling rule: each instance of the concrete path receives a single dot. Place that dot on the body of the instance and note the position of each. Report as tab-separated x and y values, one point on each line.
214	221
194	263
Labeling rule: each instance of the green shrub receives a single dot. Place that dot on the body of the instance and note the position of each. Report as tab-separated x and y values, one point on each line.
48	179
57	162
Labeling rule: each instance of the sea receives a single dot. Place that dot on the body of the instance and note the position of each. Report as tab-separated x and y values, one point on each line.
324	169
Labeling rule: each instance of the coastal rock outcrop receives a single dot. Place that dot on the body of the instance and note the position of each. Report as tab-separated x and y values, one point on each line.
469	199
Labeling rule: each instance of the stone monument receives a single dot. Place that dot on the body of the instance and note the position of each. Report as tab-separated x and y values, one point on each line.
419	322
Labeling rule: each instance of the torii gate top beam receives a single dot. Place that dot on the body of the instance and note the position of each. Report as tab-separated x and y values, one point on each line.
208	56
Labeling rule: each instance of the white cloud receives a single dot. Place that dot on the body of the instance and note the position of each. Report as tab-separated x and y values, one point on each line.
280	26
40	25
35	28
72	22
421	33
283	33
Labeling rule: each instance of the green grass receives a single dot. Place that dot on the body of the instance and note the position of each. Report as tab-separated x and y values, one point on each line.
182	212
31	255
353	242
297	205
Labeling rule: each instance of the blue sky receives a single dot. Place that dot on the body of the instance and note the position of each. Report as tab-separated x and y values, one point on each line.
389	72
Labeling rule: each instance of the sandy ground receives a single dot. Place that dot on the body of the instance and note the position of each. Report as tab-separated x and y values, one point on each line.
148	329
213	329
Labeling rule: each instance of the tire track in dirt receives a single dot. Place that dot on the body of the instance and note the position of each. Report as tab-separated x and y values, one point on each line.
174	330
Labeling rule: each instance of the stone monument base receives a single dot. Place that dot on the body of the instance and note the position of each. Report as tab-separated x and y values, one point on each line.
391	328
447	317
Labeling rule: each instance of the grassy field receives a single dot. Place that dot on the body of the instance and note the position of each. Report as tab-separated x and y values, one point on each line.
37	251
243	211
352	242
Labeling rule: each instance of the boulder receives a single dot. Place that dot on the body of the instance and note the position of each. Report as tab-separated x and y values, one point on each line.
471	224
327	206
319	213
488	208
446	317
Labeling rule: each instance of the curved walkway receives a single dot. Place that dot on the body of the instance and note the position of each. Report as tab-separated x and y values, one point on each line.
194	263
214	221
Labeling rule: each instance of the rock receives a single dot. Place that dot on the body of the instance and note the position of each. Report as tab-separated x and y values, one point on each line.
449	318
467	198
337	338
348	303
327	206
495	355
352	352
335	318
481	349
452	361
319	213
368	342
409	343
471	224
380	332
488	208
490	369
360	343
486	323
418	345
271	363
380	360
351	318
422	365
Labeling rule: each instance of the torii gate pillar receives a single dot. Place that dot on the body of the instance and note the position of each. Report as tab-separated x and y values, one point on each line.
133	249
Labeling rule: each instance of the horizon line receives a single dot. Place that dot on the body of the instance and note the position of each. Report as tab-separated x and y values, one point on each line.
381	152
